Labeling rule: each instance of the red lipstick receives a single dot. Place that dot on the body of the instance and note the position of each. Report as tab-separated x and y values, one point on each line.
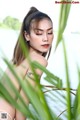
45	45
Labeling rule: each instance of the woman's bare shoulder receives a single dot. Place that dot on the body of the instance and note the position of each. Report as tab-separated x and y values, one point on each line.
42	60
39	58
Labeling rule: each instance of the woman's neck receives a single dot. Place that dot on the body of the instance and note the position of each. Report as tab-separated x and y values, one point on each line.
32	50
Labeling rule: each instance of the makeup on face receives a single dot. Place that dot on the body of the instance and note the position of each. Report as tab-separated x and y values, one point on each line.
45	46
39	31
41	36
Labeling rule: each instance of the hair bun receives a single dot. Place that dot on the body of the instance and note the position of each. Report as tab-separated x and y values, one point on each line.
34	9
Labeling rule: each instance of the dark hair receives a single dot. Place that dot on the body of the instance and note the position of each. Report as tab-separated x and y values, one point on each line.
33	14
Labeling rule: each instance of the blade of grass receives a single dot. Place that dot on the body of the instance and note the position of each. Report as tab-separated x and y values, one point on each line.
67	82
50	77
76	105
63	18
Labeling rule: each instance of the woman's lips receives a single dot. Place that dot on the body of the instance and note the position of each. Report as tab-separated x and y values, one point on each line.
45	45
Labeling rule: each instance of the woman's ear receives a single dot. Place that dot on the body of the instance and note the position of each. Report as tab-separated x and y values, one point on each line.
27	36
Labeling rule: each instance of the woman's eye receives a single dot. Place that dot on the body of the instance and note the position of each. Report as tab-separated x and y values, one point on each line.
38	33
50	33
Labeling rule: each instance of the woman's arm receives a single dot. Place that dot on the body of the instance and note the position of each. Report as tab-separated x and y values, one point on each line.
30	77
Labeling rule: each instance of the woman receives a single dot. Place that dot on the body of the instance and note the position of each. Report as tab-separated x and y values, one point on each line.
37	34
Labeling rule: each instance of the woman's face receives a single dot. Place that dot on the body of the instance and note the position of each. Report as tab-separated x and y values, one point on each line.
41	37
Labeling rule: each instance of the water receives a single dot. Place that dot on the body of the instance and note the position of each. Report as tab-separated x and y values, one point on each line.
55	63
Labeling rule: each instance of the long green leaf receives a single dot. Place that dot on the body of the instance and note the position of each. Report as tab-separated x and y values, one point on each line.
68	83
63	18
49	76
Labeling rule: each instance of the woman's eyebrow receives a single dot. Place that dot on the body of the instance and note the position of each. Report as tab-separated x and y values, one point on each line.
50	28
42	29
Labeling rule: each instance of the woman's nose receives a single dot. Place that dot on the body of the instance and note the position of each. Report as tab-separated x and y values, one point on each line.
45	37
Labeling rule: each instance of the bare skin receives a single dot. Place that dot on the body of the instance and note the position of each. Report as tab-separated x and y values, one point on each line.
40	42
21	71
39	72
